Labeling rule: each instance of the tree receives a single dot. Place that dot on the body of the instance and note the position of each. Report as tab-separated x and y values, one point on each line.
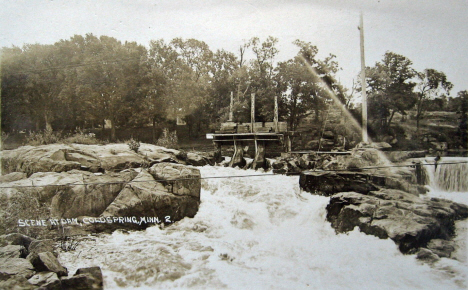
303	82
390	89
223	67
462	130
14	113
110	82
32	80
261	76
186	66
432	84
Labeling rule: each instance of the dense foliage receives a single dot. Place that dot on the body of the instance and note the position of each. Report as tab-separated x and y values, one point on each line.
89	82
86	81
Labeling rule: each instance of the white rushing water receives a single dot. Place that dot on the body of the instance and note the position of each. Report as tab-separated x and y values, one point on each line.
258	233
450	174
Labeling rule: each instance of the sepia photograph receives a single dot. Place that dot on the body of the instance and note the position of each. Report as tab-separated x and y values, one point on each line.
281	144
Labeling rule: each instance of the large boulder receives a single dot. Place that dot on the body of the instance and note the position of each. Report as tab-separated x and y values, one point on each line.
16	266
41	246
441	248
113	156
13	176
29	159
178	179
412	222
156	154
12	251
167	193
398	156
16	239
197	159
42	278
94	274
46	261
328	182
72	201
16	282
66	193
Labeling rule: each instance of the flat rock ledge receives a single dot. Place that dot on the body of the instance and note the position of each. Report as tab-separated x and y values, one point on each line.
388	208
410	221
328	183
94	158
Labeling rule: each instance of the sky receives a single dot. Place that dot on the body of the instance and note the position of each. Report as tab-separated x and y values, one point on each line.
431	33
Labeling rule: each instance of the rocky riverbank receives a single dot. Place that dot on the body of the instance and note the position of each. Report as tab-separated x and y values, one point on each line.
61	191
27	263
387	203
93	188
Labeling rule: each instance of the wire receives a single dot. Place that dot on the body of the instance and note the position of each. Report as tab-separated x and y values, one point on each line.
138	181
231	176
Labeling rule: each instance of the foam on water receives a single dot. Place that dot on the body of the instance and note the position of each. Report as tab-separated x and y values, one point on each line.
259	232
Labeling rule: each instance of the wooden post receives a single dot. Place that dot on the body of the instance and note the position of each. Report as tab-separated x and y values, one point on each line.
363	84
238	156
231	107
287	142
218	152
275	120
252	113
259	160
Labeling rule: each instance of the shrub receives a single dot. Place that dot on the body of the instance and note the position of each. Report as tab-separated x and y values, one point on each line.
168	139
4	138
133	144
82	138
67	242
48	136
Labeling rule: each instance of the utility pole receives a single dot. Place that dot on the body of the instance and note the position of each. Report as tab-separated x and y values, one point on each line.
252	112
365	138
275	120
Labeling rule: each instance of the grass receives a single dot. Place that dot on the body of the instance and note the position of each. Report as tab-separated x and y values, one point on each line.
48	136
22	204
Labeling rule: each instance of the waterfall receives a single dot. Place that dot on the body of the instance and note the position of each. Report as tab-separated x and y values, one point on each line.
450	174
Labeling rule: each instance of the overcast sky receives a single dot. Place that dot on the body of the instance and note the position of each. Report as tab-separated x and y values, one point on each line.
431	33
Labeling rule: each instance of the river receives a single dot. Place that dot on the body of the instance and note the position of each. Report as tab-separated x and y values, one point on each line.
260	232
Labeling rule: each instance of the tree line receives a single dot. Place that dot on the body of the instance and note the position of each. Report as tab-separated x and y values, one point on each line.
87	80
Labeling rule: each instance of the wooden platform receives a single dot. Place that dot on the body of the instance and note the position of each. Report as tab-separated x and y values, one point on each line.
231	138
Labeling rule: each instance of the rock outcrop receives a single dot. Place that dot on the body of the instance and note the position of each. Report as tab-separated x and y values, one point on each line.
84	278
385	202
94	158
412	222
47	262
328	183
167	191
